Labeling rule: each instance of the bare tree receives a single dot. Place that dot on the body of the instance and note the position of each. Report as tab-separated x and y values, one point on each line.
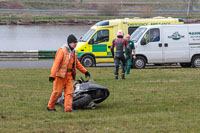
191	5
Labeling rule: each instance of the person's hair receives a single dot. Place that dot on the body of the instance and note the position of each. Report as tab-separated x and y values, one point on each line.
156	31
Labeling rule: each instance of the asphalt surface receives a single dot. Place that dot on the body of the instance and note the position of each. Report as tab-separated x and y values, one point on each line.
38	64
48	64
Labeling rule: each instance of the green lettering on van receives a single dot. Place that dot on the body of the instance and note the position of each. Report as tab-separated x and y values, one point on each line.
99	48
194	33
136	24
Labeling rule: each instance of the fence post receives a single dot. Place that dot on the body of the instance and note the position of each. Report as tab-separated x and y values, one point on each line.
188	10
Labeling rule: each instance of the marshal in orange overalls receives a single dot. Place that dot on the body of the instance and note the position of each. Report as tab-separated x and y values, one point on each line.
64	71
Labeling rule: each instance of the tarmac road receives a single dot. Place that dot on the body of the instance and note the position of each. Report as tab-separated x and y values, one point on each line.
38	64
48	64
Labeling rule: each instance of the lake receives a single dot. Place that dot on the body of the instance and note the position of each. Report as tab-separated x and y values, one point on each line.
48	37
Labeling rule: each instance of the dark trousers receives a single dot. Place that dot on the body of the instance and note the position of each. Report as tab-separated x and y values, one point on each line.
117	63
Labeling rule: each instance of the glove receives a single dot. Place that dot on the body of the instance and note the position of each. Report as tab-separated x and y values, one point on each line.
87	74
51	79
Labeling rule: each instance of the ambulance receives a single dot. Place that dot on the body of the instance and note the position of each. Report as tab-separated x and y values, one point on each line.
94	46
174	44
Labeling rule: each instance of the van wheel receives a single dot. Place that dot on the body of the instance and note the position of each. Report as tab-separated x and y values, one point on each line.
196	62
185	65
87	61
139	62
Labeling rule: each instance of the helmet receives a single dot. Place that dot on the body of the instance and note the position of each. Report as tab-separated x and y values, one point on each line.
120	33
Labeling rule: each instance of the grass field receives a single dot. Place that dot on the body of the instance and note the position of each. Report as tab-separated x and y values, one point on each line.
31	18
159	99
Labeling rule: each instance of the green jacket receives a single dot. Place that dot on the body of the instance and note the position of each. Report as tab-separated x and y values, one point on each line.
131	46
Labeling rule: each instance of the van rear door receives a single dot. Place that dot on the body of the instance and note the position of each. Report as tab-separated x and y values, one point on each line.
175	45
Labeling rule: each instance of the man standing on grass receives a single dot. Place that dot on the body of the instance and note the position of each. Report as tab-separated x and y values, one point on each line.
119	44
63	73
129	56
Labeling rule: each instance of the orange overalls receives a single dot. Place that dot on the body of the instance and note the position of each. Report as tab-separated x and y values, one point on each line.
62	70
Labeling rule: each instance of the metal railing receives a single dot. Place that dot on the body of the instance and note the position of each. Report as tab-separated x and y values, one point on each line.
27	55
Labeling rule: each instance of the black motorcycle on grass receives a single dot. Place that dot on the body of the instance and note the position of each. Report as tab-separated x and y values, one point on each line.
86	95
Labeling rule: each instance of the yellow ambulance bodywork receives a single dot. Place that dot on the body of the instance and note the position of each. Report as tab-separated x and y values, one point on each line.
94	46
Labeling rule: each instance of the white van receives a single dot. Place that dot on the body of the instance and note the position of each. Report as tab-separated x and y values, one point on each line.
163	44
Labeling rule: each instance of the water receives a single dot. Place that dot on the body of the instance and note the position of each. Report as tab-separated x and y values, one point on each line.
38	37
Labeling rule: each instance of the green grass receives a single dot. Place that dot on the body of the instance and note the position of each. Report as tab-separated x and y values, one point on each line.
70	18
153	100
75	4
57	18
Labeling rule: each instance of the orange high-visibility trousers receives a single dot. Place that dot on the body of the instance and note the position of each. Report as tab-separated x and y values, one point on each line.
58	86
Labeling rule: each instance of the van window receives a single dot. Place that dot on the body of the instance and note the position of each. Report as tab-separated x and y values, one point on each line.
131	30
87	35
137	34
146	37
154	35
101	36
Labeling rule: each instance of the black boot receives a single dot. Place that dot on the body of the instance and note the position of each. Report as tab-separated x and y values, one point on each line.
116	72
54	110
116	77
123	71
123	76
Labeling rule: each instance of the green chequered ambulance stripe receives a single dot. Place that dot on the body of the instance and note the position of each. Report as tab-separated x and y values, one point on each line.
109	53
99	48
79	54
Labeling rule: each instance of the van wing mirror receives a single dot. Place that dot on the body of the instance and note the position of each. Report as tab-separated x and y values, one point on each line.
91	41
80	39
143	41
